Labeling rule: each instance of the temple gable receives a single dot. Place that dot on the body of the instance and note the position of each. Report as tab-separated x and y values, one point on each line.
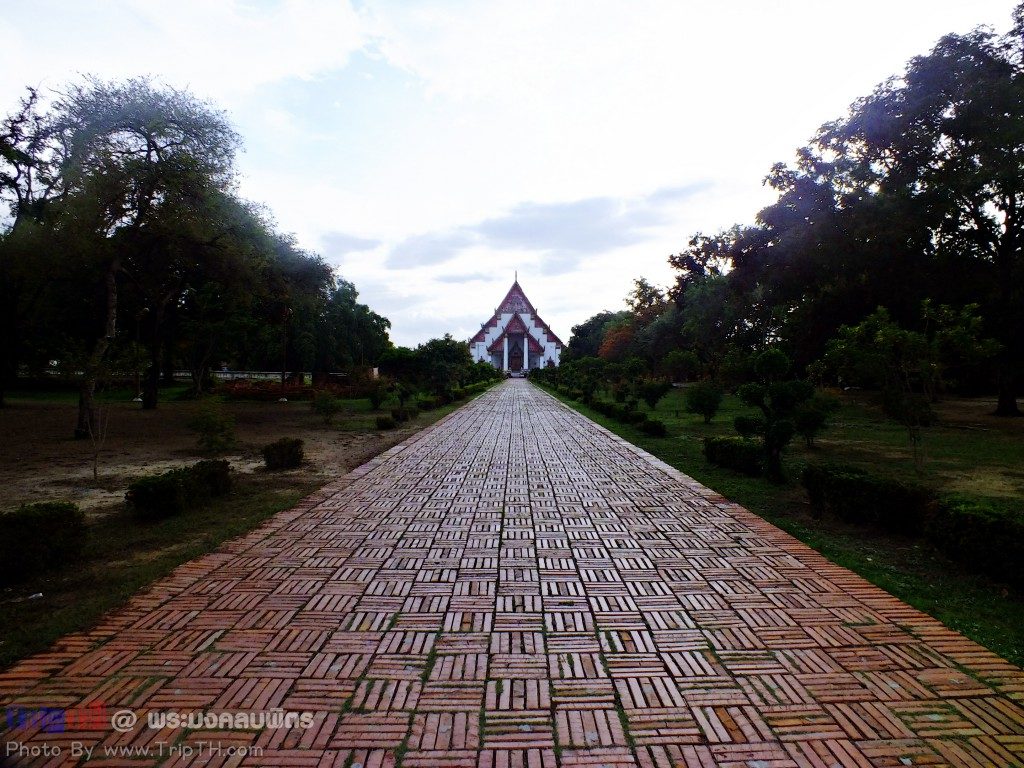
516	339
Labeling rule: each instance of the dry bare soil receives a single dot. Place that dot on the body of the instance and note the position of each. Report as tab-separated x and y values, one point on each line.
39	460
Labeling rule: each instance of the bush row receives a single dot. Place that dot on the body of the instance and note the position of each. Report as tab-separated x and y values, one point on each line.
859	497
983	533
624	413
271	390
404	413
264	390
472	389
736	453
39	537
177	490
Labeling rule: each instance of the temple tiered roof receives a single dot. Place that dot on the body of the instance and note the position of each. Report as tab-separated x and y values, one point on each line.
515	338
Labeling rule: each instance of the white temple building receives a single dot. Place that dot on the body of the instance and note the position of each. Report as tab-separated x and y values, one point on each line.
515	339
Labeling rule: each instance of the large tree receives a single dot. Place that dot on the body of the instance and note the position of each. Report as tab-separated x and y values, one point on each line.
139	165
350	333
938	156
27	182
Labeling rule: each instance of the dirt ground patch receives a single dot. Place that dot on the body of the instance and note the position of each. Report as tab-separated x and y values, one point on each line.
39	460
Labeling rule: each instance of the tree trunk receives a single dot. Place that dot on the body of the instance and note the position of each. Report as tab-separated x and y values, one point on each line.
151	387
8	364
199	366
87	424
158	358
1007	263
1007	402
167	366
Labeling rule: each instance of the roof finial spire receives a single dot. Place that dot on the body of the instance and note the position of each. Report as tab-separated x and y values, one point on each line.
517	275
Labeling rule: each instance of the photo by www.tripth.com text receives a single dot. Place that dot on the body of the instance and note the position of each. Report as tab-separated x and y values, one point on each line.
97	716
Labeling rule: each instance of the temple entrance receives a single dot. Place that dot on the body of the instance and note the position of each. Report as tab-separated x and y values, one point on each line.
515	354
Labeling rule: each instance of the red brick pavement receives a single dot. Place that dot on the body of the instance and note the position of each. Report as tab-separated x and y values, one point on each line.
515	587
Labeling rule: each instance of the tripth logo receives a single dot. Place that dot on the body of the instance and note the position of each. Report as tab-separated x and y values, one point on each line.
94	716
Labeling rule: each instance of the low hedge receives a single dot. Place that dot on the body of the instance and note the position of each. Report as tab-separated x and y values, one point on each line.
634	417
653	427
39	537
859	497
735	453
985	534
981	532
177	490
285	453
404	413
160	496
212	477
386	422
622	413
263	390
472	389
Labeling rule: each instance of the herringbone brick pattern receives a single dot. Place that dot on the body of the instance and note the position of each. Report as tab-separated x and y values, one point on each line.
518	588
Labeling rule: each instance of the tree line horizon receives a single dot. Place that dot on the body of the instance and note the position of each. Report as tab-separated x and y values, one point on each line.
127	243
894	248
127	246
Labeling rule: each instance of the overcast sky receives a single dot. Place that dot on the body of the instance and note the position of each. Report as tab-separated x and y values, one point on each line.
429	150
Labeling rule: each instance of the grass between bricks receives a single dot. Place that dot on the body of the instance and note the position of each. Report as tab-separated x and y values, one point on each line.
911	569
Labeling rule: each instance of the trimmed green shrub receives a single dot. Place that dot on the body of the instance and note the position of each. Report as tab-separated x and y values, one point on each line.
285	453
326	406
812	416
216	429
653	427
39	537
652	390
379	394
212	477
632	416
174	491
160	496
777	401
749	426
704	398
480	386
860	497
984	533
404	413
386	422
735	453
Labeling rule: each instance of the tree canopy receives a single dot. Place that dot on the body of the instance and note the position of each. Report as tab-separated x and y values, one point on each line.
915	195
125	238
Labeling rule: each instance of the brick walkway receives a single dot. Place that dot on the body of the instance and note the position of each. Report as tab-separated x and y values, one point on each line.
517	588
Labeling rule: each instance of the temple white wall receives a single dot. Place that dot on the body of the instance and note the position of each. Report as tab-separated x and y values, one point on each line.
550	349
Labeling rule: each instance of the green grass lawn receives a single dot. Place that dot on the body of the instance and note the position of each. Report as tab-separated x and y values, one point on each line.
69	394
968	452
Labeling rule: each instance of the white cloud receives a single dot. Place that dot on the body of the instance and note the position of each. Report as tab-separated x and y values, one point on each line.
223	49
